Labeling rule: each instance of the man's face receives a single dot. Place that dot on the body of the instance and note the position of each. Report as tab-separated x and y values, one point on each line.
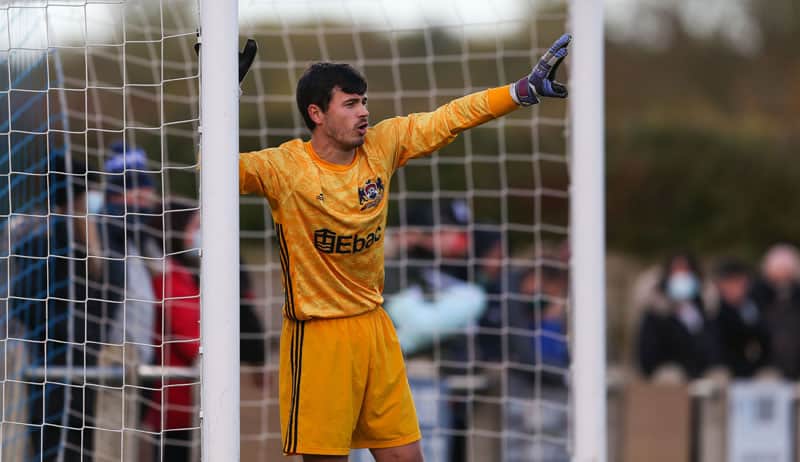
733	289
453	243
346	120
135	198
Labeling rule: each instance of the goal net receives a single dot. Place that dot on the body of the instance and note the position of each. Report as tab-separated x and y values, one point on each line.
476	250
100	192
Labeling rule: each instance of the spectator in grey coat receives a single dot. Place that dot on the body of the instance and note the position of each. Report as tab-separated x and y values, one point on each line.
777	293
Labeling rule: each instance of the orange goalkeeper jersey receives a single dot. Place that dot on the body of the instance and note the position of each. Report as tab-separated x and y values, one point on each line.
331	219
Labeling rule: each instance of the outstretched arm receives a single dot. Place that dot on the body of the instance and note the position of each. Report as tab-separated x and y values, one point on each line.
422	133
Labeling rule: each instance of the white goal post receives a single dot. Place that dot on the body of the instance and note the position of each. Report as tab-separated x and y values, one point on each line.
587	139
219	199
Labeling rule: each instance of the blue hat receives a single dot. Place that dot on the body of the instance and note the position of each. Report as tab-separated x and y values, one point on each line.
127	168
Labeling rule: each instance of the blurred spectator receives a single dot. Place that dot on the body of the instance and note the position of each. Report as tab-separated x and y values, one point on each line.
125	290
48	295
548	317
130	202
438	302
488	253
674	330
539	360
490	273
434	314
777	293
744	338
177	331
534	326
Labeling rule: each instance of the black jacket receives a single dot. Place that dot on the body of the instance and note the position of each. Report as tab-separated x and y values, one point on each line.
745	342
48	300
665	339
781	312
48	294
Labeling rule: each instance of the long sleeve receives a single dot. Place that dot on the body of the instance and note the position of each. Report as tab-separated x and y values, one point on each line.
420	134
139	315
419	322
181	310
185	323
649	352
259	174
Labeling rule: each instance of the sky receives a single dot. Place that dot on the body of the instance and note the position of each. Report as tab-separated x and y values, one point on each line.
388	13
642	21
639	21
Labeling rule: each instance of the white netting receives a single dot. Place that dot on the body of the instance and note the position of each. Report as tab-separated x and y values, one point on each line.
484	391
490	382
99	134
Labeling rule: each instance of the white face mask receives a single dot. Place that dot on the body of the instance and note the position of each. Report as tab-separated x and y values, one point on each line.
196	240
95	201
682	287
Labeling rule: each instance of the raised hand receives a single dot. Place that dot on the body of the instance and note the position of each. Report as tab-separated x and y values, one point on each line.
541	81
246	57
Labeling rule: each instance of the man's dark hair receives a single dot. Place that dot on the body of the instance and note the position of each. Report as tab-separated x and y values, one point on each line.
317	84
731	267
65	175
178	213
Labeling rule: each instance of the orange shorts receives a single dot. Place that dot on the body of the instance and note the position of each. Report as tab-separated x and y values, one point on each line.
343	385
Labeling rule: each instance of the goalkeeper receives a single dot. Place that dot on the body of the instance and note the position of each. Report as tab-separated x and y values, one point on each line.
342	378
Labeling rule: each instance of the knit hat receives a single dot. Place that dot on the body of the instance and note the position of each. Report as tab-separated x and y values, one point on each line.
127	169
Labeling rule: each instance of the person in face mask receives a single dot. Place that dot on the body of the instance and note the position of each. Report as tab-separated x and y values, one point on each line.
130	203
126	297
434	313
674	329
130	196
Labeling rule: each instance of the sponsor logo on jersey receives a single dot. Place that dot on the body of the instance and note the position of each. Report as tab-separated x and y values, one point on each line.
327	241
370	194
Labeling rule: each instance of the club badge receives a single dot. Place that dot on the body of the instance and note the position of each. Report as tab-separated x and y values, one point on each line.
370	194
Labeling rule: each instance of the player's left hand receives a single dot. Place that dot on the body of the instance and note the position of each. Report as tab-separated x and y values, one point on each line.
541	81
246	57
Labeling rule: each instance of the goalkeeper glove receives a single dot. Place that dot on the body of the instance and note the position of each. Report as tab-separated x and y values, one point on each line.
541	81
246	57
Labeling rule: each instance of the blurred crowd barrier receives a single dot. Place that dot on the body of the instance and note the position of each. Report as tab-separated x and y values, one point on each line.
705	420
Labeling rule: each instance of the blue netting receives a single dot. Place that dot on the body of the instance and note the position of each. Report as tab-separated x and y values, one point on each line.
36	282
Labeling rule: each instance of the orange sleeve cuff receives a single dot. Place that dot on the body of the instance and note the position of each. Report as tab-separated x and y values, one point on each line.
500	102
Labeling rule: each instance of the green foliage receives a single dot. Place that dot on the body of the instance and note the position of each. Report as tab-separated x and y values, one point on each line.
702	143
673	186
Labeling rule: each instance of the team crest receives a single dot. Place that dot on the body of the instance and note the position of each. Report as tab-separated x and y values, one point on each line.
370	194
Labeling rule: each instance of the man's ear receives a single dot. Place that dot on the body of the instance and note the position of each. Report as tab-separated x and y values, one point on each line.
316	114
